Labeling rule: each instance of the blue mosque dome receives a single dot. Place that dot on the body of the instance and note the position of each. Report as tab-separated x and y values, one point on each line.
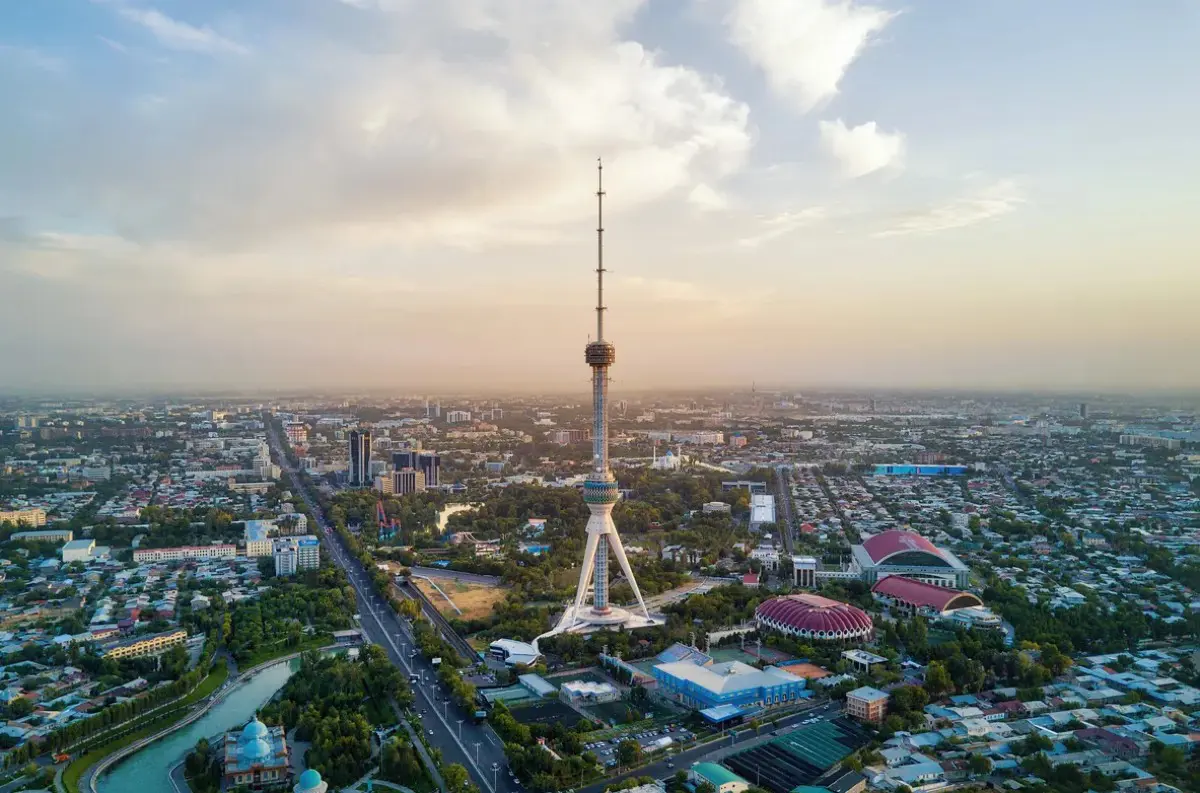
310	779
254	729
256	750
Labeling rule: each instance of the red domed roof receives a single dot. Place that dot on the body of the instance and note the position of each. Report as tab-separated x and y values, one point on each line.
814	614
881	546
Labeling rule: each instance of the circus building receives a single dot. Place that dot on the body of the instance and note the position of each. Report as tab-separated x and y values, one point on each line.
935	602
905	553
256	757
814	618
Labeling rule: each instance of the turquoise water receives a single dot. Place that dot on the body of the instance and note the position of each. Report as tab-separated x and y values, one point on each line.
147	771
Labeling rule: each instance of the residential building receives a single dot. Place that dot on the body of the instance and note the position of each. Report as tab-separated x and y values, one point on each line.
258	538
141	646
294	554
185	553
567	437
28	517
457	416
867	704
296	433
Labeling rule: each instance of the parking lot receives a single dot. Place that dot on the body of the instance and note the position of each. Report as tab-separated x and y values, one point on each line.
650	741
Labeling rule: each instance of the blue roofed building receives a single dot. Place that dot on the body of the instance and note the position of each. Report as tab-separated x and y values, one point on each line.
731	683
256	756
682	652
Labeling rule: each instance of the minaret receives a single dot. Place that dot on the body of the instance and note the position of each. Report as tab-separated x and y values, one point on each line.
600	489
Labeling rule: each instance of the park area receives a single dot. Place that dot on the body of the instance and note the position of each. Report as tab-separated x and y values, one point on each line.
474	600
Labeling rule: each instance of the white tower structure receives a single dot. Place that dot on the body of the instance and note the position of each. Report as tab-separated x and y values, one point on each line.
600	489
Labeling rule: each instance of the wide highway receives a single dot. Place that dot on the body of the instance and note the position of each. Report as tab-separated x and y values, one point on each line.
474	746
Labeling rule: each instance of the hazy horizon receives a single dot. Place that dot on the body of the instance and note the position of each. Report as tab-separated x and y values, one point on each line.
391	195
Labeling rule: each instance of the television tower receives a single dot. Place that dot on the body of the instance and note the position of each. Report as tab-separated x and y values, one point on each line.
600	488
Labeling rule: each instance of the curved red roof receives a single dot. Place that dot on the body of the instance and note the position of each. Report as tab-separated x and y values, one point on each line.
922	595
881	546
813	614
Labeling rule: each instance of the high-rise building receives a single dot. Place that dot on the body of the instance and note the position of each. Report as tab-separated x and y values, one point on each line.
360	458
600	491
1083	410
457	416
401	482
428	463
293	554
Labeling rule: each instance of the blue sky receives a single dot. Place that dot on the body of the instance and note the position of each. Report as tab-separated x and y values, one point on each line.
798	190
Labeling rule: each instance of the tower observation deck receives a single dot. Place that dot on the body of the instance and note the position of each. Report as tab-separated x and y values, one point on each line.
600	491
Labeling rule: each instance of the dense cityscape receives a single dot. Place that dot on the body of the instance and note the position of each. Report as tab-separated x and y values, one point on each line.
879	471
885	590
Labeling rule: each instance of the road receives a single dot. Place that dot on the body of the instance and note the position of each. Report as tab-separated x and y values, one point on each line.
712	752
783	480
474	746
455	575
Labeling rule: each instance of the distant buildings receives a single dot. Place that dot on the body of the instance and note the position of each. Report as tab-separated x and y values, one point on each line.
28	517
296	433
567	437
1152	441
360	458
457	416
185	553
43	535
258	538
428	463
401	482
762	510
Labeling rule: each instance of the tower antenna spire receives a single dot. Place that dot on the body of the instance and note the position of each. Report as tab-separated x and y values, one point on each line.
599	250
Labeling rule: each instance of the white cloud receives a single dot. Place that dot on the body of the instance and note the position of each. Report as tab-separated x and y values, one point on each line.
997	199
461	123
180	35
783	224
708	199
32	56
804	46
863	149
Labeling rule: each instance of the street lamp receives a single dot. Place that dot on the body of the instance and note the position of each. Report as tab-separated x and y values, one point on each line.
477	753
495	773
460	721
445	709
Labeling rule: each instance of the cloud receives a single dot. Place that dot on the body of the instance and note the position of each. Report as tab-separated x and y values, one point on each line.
804	46
995	200
783	224
460	123
180	35
32	57
706	198
863	149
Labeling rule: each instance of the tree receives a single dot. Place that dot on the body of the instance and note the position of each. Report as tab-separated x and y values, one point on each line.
937	679
456	777
628	752
979	765
706	787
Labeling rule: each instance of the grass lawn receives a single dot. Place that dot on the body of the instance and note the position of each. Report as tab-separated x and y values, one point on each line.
279	649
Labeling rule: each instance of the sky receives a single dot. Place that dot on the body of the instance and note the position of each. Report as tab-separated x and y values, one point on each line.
400	193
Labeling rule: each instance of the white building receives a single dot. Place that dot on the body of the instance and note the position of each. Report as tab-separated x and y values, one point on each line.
293	554
78	551
185	552
457	416
762	510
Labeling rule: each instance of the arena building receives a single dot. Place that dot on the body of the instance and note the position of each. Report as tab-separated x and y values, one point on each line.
935	602
815	618
905	553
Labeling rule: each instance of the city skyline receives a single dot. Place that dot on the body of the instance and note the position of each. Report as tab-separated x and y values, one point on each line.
350	194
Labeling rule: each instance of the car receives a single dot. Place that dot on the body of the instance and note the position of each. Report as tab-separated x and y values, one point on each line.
431	732
670	764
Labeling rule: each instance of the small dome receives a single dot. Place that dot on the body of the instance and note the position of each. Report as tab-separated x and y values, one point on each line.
255	751
309	780
254	729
